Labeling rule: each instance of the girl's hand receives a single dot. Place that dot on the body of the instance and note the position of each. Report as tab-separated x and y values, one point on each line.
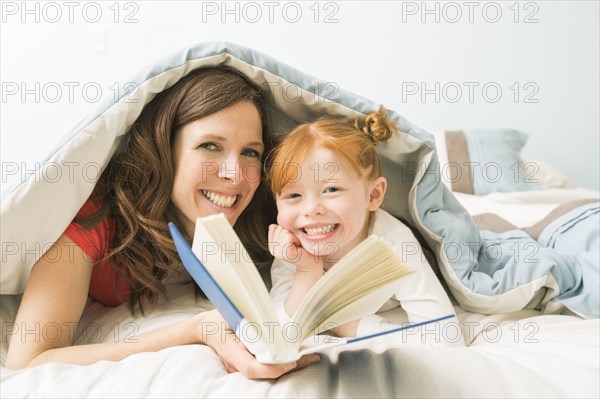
234	355
285	246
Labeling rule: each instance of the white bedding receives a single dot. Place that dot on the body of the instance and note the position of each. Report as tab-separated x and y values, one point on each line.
522	354
525	208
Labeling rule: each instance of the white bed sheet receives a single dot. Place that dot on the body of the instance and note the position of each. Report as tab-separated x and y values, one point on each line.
521	354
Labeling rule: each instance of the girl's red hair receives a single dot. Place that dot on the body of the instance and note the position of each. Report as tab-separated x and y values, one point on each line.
355	144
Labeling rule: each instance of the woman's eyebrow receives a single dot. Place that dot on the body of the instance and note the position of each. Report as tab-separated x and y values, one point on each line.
256	144
213	137
222	139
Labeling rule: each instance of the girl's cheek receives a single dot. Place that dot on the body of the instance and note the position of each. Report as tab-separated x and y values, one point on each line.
284	218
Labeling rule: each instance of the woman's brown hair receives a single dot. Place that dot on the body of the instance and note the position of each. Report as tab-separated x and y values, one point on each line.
138	182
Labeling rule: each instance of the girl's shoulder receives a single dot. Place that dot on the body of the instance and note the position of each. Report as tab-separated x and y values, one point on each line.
394	231
386	224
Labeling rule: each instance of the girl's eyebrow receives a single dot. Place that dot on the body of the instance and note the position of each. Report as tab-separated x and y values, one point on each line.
331	179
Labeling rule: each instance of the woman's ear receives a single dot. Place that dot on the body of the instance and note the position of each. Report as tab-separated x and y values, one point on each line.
377	192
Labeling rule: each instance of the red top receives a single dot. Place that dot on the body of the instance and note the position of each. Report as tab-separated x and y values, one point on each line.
95	243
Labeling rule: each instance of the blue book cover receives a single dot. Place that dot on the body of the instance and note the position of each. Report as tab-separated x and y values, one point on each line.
205	281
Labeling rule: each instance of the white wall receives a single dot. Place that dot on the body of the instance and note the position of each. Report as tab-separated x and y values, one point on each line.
375	49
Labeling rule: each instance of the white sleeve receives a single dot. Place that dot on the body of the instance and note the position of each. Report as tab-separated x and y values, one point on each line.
420	293
373	324
421	296
282	277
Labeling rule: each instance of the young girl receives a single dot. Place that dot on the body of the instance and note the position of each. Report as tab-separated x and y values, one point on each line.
326	178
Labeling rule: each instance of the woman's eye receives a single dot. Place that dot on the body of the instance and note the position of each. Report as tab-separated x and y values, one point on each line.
252	153
209	146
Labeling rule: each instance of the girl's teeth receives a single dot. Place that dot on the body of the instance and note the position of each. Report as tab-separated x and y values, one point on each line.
224	201
319	230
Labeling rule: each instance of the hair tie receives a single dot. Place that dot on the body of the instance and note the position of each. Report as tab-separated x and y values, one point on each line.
367	131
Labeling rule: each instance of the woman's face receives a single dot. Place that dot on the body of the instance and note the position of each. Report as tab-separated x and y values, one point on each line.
218	163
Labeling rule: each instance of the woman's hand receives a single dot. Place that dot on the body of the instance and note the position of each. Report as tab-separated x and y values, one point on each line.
215	333
285	246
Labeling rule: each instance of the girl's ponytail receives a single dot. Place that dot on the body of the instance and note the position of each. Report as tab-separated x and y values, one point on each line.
376	127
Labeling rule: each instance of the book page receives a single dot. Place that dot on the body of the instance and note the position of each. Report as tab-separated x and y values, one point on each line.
220	250
367	269
367	305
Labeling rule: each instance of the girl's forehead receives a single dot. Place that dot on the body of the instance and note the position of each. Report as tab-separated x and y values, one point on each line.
320	155
326	165
319	152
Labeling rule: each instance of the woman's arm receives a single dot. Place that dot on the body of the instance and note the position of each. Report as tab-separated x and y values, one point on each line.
56	295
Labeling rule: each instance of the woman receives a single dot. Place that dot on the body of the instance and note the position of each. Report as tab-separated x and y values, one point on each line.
196	149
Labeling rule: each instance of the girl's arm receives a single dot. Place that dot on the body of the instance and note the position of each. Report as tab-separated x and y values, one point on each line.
285	247
290	287
56	295
421	296
303	281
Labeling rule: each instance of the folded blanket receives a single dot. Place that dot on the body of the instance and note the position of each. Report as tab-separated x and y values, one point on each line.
480	281
561	252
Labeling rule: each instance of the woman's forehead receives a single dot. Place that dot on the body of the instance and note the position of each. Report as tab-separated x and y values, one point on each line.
237	124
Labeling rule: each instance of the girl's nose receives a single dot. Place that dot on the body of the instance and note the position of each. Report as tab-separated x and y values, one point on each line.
314	206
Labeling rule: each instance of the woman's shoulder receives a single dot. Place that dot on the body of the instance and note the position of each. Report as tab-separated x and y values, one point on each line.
90	207
93	238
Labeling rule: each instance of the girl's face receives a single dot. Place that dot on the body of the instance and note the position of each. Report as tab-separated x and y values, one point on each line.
328	204
218	163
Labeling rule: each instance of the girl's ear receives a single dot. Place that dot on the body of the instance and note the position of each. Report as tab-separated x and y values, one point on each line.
377	192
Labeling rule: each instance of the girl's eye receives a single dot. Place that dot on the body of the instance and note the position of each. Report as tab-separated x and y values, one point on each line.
251	153
209	146
291	196
332	190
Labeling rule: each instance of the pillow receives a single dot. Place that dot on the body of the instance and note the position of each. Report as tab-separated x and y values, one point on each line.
483	161
550	177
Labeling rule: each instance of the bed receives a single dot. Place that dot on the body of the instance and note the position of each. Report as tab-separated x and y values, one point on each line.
531	336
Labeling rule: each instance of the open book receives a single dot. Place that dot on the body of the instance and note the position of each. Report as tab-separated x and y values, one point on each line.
357	286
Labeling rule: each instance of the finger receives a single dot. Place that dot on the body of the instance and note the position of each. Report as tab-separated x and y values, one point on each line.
249	367
272	229
281	369
276	244
307	360
256	370
275	232
291	238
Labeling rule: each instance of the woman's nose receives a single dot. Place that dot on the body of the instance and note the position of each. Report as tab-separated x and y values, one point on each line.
230	170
